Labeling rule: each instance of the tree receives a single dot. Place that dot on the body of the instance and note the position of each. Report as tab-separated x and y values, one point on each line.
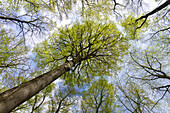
151	64
28	15
63	53
89	43
150	67
99	97
63	100
155	72
13	60
36	103
134	98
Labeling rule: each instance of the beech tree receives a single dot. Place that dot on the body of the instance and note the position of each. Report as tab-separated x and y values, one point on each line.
13	60
63	100
150	67
154	71
99	97
77	53
87	45
134	98
151	62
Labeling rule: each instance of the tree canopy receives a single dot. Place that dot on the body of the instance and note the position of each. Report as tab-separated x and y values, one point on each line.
84	56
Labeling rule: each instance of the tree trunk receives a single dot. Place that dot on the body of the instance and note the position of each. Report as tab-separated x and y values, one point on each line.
12	98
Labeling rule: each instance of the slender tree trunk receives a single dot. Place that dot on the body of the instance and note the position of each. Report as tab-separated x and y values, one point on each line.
12	98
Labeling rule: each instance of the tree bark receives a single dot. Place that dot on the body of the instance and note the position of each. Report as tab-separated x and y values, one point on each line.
12	98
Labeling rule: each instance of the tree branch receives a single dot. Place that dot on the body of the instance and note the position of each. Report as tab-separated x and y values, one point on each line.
160	99
154	11
19	21
160	31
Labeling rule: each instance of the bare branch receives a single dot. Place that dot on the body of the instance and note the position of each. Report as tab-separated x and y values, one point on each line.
154	11
60	102
160	87
160	31
158	73
160	99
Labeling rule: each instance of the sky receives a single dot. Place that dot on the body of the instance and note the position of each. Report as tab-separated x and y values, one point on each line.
36	39
150	5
